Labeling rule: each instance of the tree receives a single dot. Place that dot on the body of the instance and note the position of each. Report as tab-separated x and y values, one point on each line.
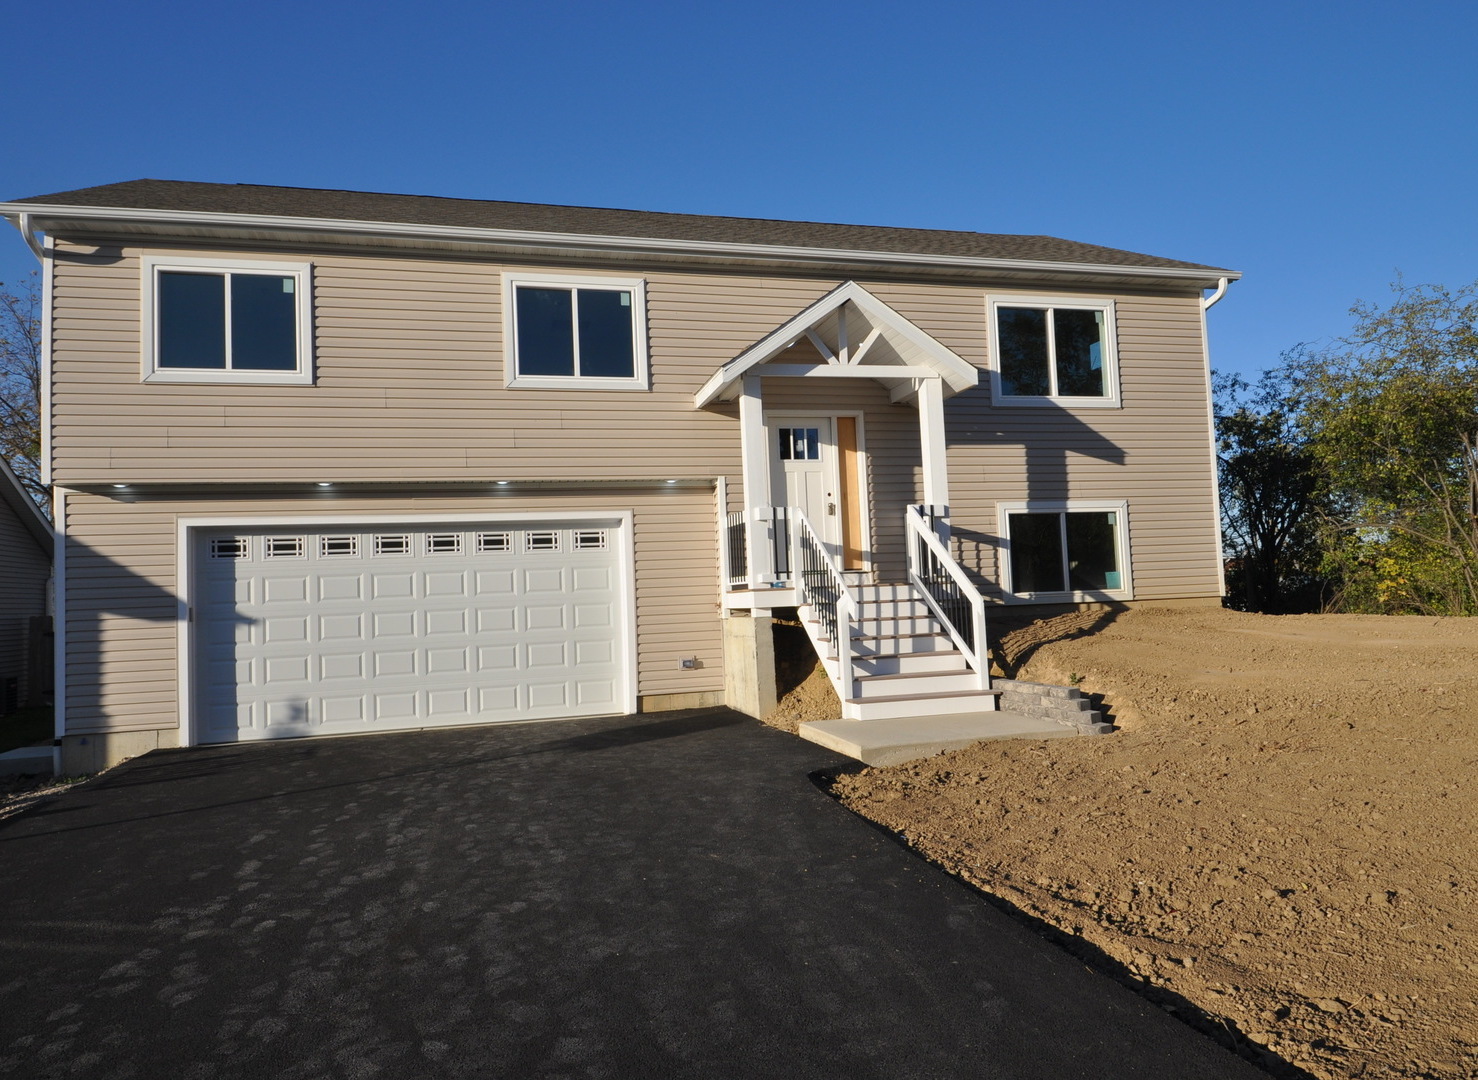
20	385
1391	414
1272	496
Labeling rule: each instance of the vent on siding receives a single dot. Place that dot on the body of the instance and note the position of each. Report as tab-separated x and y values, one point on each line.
286	547
229	547
396	544
332	547
496	541
541	541
443	543
590	539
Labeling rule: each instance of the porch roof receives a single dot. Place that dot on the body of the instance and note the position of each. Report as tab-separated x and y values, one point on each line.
856	335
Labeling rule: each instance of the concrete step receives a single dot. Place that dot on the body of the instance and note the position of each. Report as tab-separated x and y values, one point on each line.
889	742
27	759
914	683
889	707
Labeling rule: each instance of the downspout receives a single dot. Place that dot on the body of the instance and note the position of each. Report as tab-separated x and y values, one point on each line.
1209	302
1221	555
28	231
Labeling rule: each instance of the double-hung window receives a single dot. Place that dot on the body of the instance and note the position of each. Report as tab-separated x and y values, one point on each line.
213	320
1052	351
1073	551
576	332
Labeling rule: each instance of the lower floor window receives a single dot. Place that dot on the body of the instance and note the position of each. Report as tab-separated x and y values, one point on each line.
1067	551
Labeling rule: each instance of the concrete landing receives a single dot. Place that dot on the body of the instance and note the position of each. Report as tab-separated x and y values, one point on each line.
28	759
889	742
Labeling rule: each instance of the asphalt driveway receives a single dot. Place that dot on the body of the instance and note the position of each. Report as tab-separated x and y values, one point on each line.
632	897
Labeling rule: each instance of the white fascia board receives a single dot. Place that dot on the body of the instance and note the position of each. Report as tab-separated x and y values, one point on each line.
595	242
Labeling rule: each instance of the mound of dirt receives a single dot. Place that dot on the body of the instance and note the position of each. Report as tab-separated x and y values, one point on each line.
1281	835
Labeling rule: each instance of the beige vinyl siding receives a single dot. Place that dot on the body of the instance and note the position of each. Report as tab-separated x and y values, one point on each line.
1152	452
122	602
409	384
410	387
24	570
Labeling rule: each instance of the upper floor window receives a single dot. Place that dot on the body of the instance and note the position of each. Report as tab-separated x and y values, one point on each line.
583	332
1052	352
213	320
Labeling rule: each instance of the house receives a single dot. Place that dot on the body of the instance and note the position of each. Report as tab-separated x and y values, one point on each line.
333	461
25	570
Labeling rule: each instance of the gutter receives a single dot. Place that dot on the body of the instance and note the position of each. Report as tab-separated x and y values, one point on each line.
585	242
28	232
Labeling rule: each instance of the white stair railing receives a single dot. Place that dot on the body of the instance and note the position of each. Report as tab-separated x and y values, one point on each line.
820	585
949	592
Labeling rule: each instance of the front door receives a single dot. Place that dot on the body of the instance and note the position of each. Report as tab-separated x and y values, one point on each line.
804	472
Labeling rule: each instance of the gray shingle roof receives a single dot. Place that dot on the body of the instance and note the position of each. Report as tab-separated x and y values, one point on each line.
328	204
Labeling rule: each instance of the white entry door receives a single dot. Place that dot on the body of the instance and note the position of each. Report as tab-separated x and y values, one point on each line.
322	630
804	472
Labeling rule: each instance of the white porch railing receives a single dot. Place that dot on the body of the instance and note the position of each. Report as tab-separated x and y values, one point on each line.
755	548
821	586
948	591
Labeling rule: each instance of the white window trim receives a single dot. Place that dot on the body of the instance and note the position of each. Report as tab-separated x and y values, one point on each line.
301	272
636	286
1110	400
1004	510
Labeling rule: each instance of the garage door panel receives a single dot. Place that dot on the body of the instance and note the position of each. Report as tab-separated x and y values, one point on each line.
341	587
394	586
376	629
545	617
284	629
595	692
345	710
393	624
391	663
284	590
341	627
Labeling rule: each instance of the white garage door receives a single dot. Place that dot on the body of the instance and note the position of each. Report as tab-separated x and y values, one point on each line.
348	629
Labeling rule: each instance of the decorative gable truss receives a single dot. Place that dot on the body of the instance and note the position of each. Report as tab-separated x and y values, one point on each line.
857	336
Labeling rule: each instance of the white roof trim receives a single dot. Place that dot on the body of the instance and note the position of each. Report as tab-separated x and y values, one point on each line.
957	374
592	242
25	507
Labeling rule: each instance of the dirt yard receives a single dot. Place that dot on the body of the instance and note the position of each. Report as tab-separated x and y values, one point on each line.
1279	843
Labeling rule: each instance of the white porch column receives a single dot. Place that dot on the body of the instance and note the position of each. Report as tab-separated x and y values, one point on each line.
756	471
933	450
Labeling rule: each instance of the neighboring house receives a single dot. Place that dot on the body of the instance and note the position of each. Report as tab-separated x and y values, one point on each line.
329	461
25	569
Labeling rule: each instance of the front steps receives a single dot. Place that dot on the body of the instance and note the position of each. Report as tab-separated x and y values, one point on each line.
904	662
913	694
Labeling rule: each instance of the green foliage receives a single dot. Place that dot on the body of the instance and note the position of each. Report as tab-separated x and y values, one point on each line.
20	384
1390	413
1272	493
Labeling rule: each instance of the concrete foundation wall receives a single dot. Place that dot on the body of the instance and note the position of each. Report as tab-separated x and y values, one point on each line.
749	664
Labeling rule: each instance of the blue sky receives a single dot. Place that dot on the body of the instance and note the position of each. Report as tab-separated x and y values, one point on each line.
1320	148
